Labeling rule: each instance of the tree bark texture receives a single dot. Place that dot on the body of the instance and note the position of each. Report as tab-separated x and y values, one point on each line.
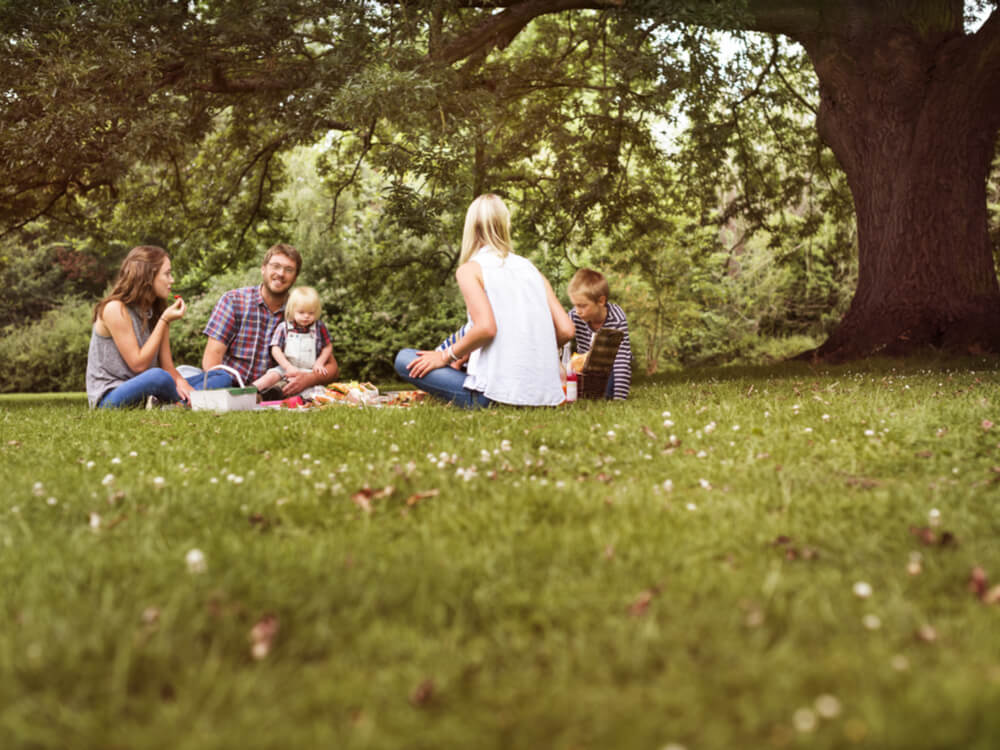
912	113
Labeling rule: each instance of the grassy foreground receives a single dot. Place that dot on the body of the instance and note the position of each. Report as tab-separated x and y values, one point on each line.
731	559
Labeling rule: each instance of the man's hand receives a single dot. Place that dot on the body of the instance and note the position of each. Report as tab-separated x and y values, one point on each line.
298	381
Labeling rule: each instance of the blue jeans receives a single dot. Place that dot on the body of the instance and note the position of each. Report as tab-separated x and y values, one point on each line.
153	382
445	383
206	381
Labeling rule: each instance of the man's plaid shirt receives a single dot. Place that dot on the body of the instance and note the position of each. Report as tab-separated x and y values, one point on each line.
242	321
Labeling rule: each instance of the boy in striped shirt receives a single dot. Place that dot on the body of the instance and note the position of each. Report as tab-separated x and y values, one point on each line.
588	291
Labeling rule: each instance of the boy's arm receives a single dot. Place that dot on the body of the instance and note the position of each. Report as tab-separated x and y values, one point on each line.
622	367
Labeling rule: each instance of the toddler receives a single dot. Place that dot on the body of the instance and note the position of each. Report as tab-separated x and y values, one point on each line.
300	342
588	291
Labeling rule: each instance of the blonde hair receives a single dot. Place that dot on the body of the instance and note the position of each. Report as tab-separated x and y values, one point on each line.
589	283
487	222
301	298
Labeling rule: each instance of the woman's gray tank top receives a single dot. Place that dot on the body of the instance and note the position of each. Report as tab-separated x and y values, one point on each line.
106	370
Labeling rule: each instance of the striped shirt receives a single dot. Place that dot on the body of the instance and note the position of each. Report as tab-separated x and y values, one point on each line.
621	371
243	322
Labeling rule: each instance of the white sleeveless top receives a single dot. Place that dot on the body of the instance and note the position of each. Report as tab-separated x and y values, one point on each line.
521	364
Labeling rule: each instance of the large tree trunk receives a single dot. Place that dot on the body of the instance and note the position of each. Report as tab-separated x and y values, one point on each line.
912	117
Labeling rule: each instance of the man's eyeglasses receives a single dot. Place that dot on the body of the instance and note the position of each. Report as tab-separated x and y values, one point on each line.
279	268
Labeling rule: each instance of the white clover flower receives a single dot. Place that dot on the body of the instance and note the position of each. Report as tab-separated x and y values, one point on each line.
709	428
825	417
862	589
52	501
736	428
505	445
37	489
195	560
89	464
543	449
108	479
934	517
900	663
611	433
665	414
305	472
213	480
701	454
872	622
159	482
668	423
306	456
116	460
132	454
827	706
804	720
869	433
394	448
705	484
808	429
94	521
691	506
668	485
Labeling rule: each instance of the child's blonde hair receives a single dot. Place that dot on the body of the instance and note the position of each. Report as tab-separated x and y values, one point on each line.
487	222
299	299
590	284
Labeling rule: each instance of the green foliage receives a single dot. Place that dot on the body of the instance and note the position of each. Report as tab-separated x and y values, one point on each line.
37	277
48	354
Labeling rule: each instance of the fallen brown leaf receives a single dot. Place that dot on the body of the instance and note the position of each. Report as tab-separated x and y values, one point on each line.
423	693
642	601
978	583
648	432
416	497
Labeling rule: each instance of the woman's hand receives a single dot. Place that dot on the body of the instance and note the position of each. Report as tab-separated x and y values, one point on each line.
427	362
183	389
175	311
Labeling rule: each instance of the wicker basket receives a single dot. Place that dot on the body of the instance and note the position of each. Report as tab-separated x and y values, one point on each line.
593	381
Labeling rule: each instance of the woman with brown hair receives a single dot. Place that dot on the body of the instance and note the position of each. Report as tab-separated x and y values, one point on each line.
129	358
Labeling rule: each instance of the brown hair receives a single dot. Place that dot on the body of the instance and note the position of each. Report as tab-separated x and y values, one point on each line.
134	284
590	283
287	250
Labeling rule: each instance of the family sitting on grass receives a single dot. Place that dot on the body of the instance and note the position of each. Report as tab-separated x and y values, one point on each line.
507	352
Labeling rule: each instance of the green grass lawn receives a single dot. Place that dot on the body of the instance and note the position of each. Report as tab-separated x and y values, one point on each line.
685	570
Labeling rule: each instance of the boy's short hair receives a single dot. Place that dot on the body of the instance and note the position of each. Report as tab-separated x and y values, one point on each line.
302	298
589	283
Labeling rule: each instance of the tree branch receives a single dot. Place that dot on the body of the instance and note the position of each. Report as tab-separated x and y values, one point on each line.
499	29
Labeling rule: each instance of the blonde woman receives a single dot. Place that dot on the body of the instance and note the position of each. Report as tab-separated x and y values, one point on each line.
129	358
516	325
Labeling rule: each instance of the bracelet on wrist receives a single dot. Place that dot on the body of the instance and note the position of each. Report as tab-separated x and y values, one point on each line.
451	354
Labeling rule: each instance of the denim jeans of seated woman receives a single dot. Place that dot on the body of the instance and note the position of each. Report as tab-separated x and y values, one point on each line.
133	392
445	383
